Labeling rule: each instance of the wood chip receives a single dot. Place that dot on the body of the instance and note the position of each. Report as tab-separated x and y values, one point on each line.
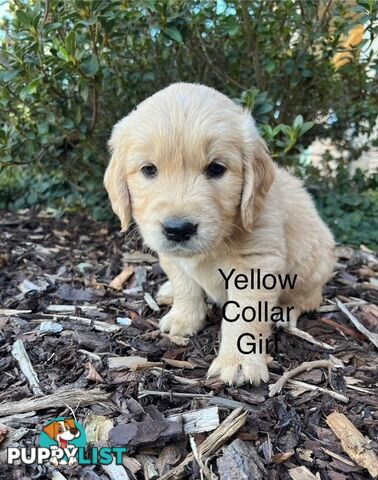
213	442
358	447
116	472
19	353
146	433
119	281
198	421
302	473
148	464
125	363
96	324
69	308
151	302
178	363
240	460
373	337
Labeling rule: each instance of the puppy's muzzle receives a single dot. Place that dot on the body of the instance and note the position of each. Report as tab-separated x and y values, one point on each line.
179	230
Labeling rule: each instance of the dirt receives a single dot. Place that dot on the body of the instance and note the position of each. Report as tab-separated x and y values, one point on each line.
45	262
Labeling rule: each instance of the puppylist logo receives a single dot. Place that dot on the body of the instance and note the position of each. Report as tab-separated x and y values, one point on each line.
63	441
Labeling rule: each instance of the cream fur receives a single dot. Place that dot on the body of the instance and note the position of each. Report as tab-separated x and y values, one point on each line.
256	215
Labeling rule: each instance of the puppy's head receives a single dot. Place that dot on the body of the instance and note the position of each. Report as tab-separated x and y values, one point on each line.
190	166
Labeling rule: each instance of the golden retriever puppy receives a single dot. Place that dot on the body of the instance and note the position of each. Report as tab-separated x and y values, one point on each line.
190	167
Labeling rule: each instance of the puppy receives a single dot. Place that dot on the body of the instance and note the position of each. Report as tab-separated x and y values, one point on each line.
191	168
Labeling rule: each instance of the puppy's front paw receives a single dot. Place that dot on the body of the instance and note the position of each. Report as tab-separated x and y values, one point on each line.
181	324
239	369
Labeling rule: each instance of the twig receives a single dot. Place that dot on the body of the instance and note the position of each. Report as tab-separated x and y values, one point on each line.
19	353
221	402
306	336
96	324
204	469
58	399
340	327
8	312
253	44
338	457
305	367
212	443
308	386
373	337
46	15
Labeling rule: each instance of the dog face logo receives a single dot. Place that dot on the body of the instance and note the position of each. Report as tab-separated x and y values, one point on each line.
65	435
62	431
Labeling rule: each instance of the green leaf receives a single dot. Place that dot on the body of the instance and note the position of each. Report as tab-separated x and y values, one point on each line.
174	34
270	66
298	121
63	54
8	75
90	66
24	18
32	87
306	127
71	42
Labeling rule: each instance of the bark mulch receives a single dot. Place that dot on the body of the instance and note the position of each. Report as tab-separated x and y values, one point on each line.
96	354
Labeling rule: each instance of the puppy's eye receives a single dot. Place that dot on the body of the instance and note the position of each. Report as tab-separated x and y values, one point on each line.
149	170
215	170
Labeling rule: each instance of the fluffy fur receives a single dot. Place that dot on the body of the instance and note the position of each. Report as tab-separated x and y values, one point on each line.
256	215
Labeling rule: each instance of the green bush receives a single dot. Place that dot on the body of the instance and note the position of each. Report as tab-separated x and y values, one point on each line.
70	70
352	213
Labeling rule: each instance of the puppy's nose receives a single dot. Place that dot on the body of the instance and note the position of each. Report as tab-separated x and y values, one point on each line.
179	230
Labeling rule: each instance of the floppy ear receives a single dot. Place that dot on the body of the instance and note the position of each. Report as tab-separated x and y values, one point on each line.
51	430
258	178
70	422
115	178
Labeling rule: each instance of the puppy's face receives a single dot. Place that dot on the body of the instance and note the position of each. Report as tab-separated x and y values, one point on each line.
188	164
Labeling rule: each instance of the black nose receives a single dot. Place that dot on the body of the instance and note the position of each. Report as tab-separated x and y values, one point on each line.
178	230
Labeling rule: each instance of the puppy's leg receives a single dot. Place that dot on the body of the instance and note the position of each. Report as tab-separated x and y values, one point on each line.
188	313
231	365
164	295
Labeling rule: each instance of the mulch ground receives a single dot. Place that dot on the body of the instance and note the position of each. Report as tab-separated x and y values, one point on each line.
84	337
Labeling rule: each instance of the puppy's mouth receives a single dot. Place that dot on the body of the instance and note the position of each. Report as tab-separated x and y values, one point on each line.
183	249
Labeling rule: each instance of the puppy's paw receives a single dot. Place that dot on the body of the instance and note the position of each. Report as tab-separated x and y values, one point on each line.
181	324
239	369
